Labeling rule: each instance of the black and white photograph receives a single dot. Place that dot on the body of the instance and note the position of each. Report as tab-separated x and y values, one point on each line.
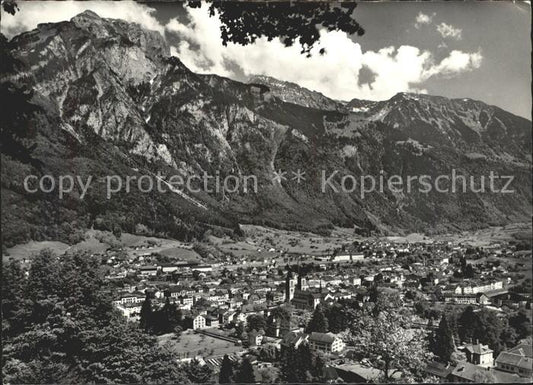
266	192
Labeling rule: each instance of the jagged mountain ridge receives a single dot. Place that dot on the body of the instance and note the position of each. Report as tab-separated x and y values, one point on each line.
293	93
113	84
440	116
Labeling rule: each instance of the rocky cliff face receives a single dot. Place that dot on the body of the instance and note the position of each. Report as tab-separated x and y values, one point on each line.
293	93
113	99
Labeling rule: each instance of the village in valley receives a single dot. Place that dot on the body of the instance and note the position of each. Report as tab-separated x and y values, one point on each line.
451	312
266	192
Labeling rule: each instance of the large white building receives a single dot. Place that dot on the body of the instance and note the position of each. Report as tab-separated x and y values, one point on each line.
196	322
325	342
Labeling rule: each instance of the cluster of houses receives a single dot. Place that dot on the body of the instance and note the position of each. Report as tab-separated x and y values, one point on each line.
510	366
214	297
470	293
233	302
318	342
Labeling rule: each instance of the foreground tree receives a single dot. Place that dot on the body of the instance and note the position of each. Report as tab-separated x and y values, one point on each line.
390	345
268	353
384	299
493	331
521	323
267	376
301	365
486	327
167	319
293	22
69	332
443	343
124	347
280	317
340	314
467	324
146	314
245	374
255	322
226	371
198	373
318	322
13	309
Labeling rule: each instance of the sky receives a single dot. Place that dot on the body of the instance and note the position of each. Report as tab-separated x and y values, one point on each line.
478	50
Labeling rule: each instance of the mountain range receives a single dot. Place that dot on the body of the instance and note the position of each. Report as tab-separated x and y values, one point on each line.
105	97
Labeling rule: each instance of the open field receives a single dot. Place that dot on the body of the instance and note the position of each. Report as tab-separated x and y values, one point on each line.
191	344
97	241
297	242
181	254
259	239
410	238
30	249
490	235
302	242
265	243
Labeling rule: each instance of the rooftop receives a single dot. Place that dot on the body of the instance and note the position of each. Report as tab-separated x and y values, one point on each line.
523	349
515	359
322	337
478	349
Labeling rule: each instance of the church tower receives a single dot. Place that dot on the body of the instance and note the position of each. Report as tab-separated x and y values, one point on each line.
302	283
291	284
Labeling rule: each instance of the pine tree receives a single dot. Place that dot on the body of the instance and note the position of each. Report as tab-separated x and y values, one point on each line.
13	310
287	364
319	369
303	364
318	322
73	309
197	373
521	324
171	316
489	330
146	314
245	374
255	321
226	371
444	344
468	323
239	330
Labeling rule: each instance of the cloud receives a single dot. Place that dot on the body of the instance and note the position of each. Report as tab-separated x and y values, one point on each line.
456	62
422	19
449	31
445	30
34	12
335	74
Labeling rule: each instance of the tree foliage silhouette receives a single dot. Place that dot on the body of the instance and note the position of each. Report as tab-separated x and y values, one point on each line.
198	373
226	371
292	22
65	329
318	322
443	343
389	344
245	374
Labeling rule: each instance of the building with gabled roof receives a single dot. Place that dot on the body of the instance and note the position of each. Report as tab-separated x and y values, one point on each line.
325	342
479	354
467	372
294	339
516	360
439	369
